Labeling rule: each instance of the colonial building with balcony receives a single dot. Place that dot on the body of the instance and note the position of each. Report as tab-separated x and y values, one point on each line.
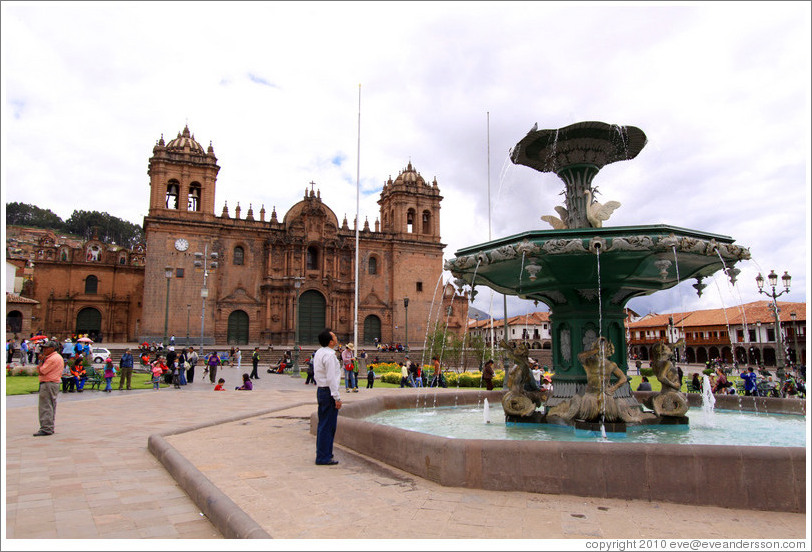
747	331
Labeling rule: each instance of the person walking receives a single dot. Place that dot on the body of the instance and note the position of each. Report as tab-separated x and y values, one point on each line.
327	371
238	357
109	372
183	365
310	378
50	376
437	377
213	363
192	358
370	377
255	362
125	365
349	368
487	374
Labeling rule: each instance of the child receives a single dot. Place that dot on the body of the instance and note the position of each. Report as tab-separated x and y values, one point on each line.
219	386
370	377
246	384
157	371
109	372
175	374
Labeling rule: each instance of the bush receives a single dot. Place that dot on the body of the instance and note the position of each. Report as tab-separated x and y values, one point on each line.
708	371
648	372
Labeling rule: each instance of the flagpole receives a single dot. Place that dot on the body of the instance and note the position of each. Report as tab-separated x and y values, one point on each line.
488	113
357	222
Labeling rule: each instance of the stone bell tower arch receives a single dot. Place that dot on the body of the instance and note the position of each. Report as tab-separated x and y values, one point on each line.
182	177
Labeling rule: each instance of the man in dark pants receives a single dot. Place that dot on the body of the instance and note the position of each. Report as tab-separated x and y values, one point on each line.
327	371
126	368
255	360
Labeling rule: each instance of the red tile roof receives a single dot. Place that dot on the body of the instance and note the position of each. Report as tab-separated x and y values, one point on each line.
758	311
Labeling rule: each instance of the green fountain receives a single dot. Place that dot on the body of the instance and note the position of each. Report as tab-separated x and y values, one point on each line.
586	274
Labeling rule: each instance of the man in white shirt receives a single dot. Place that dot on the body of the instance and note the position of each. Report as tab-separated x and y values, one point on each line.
327	373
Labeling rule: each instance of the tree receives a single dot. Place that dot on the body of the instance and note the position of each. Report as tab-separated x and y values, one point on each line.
105	227
86	224
23	214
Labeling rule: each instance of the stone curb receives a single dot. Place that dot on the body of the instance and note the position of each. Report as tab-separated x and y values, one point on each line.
223	513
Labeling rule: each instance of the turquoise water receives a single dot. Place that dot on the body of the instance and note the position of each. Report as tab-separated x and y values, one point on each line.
721	427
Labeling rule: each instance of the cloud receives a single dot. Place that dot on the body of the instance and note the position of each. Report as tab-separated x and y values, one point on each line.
722	92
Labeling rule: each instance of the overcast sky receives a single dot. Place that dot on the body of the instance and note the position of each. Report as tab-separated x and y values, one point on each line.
722	92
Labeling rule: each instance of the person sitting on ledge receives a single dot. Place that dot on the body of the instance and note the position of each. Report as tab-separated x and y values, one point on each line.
644	385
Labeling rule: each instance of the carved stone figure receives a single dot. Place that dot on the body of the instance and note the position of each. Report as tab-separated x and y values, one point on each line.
523	395
670	401
598	400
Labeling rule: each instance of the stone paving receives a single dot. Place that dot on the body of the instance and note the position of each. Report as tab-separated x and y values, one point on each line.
95	479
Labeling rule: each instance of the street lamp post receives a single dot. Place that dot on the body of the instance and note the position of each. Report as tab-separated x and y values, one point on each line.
406	309
202	261
786	279
188	313
168	274
795	339
297	283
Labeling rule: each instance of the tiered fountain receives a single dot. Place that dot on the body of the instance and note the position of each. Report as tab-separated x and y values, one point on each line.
586	274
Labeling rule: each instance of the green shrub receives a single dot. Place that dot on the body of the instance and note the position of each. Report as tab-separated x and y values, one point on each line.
707	371
648	372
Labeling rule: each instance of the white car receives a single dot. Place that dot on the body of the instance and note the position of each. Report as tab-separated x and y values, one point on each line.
99	354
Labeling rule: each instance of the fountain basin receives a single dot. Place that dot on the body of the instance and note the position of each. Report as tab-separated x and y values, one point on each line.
731	476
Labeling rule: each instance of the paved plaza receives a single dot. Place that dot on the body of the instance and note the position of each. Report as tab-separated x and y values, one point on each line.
96	479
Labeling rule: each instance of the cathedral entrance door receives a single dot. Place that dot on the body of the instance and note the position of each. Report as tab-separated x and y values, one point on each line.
312	317
237	328
88	321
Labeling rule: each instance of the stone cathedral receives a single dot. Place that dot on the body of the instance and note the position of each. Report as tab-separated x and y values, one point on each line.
244	277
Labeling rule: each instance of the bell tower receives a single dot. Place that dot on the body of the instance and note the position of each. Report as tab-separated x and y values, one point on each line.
182	177
410	207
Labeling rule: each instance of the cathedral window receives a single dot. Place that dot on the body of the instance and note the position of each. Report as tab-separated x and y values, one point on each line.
410	227
172	192
418	286
239	255
91	284
426	222
193	203
312	258
373	265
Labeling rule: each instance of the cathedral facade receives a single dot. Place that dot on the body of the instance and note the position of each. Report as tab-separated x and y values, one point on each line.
246	278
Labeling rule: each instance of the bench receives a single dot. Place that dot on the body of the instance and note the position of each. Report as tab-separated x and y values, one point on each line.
94	378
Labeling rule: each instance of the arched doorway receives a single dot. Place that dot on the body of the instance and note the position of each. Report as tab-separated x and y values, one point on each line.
312	316
14	322
237	328
372	329
88	321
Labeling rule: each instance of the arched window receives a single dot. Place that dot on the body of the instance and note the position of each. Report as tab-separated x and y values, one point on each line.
193	203
91	284
172	192
373	265
312	258
239	255
410	227
426	222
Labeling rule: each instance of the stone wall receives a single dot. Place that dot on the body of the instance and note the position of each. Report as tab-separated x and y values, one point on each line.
730	476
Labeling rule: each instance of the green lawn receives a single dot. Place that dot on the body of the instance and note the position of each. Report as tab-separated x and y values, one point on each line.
23	385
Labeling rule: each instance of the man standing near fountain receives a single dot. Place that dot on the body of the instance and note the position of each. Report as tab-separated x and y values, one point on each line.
327	372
